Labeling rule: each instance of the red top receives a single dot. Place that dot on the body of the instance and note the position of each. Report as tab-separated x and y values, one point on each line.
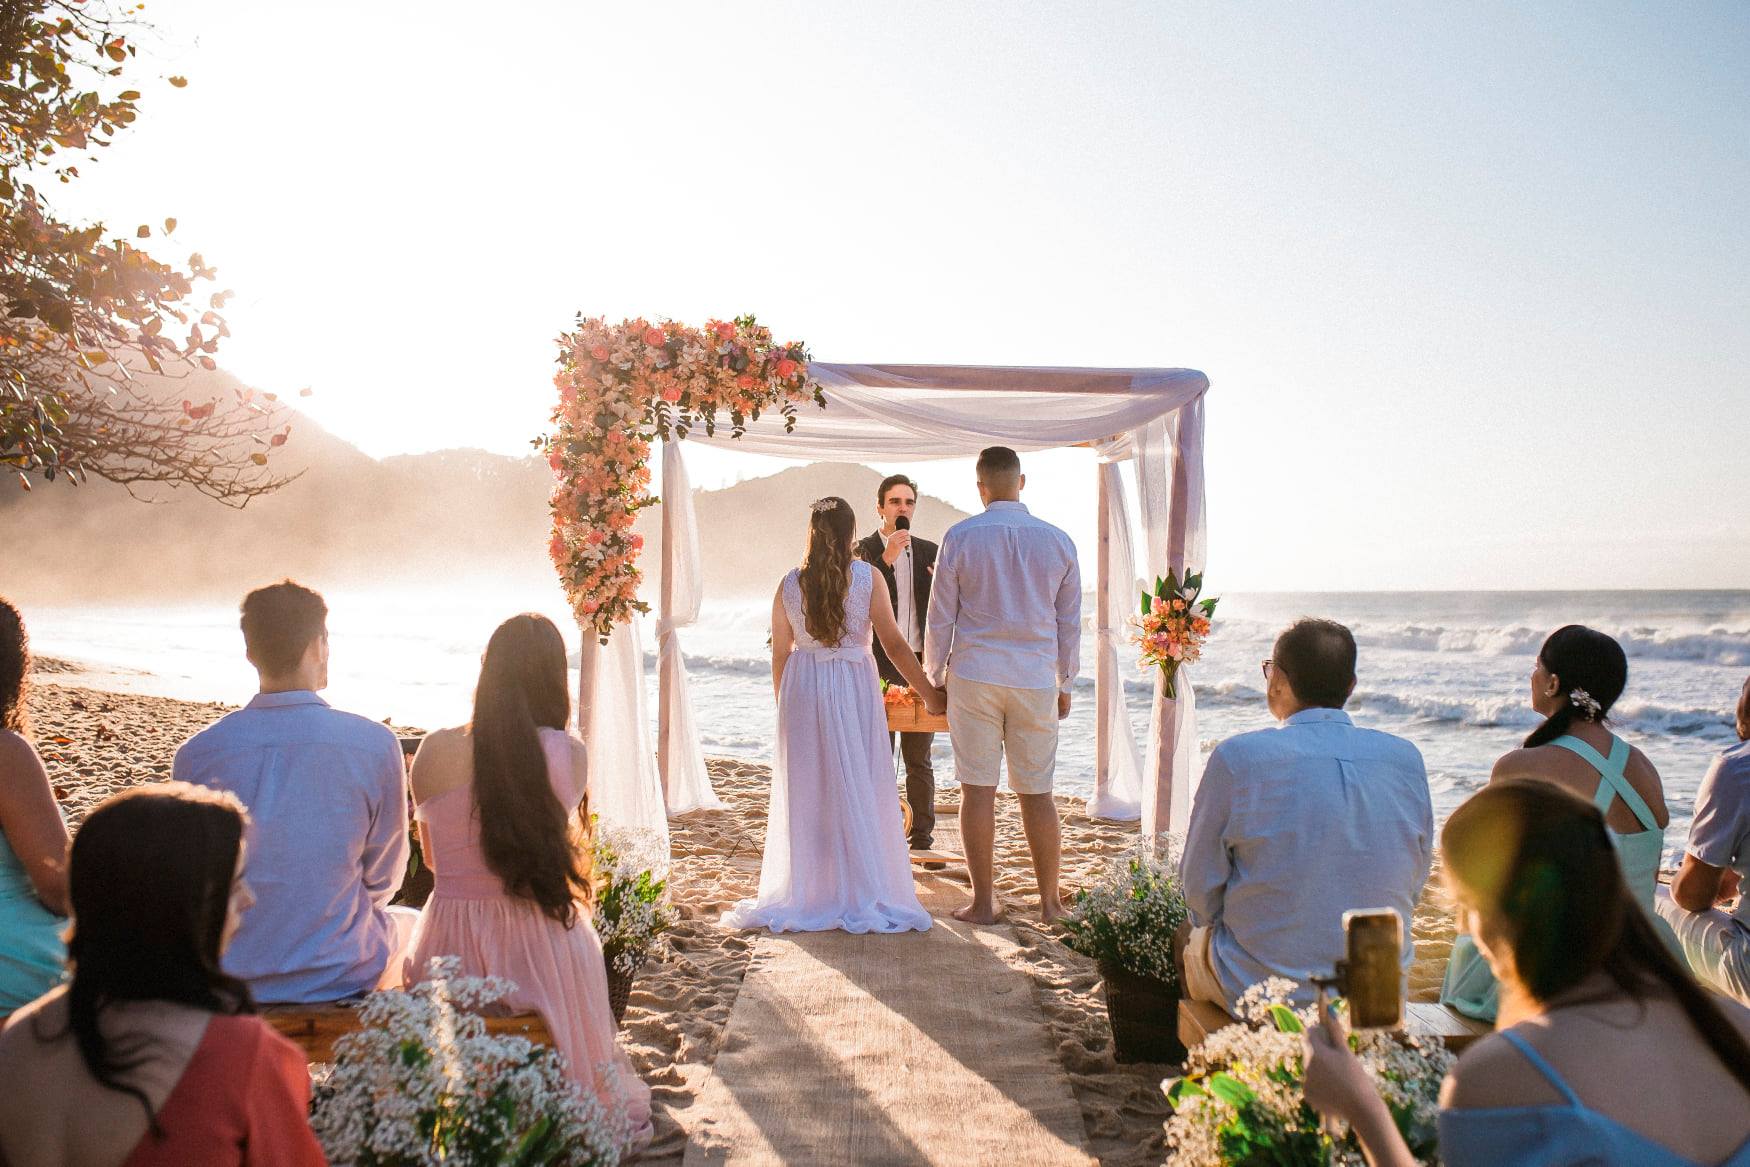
243	1101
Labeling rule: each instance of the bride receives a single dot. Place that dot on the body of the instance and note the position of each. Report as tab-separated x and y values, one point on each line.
835	852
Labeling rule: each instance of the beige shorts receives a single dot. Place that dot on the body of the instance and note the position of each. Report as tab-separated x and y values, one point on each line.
988	723
1201	983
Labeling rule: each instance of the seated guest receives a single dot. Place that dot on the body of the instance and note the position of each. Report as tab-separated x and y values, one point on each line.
504	824
33	840
1295	825
1717	945
1578	676
152	1055
327	793
1607	1050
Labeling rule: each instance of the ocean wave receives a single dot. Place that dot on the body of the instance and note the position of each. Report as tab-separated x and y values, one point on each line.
1642	717
1715	646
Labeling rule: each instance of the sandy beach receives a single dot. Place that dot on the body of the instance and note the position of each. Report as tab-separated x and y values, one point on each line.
95	743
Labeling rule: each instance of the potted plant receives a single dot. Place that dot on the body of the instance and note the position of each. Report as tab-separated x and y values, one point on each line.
1126	923
1242	1100
422	1081
631	907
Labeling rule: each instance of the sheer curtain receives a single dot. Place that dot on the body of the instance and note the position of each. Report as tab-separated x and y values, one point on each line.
614	721
689	785
1118	792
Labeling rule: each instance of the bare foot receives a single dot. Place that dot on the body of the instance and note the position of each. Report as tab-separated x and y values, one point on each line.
1051	913
973	914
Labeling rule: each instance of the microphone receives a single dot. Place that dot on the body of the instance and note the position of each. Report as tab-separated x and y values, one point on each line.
902	523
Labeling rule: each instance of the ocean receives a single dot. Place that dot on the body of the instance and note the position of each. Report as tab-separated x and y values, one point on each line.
1448	670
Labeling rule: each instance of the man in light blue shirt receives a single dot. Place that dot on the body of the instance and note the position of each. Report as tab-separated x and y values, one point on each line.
1293	826
327	799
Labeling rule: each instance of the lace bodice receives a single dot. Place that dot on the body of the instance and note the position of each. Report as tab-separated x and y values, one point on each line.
858	629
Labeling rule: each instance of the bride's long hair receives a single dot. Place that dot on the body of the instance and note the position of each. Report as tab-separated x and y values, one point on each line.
826	569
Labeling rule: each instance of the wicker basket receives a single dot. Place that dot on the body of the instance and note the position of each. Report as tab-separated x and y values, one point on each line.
619	992
1145	1017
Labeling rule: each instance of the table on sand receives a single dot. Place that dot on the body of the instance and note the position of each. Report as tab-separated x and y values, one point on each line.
921	1048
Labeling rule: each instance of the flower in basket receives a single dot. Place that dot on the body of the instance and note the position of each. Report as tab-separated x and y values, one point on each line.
899	695
1242	1101
1127	918
1173	625
631	905
422	1082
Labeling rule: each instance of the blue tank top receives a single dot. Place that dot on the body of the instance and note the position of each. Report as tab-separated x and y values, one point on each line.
1521	1136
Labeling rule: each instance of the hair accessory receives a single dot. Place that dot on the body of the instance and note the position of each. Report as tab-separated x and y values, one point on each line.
1585	703
823	505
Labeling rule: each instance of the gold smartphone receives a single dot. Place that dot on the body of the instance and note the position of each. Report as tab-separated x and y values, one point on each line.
1372	973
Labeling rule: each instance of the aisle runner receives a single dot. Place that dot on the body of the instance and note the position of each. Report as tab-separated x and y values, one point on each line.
919	1048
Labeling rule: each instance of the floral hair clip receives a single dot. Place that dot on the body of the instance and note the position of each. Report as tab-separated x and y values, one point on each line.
823	505
1586	703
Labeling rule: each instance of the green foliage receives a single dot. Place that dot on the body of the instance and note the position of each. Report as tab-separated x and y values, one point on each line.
86	311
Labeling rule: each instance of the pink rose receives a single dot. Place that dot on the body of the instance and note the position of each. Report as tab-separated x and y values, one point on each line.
653	337
671	393
637	542
786	368
599	352
555	461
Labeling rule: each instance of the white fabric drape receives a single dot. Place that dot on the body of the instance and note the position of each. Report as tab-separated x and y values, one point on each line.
689	785
1118	790
912	412
1169	470
614	721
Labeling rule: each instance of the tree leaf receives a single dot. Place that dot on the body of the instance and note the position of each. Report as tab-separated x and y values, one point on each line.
179	82
258	458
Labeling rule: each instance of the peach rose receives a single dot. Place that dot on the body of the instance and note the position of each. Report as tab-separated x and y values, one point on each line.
653	337
786	368
599	352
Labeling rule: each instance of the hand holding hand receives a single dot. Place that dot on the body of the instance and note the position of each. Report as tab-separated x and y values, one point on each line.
935	700
896	543
1062	706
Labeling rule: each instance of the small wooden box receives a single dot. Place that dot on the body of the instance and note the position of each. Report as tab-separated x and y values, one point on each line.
909	718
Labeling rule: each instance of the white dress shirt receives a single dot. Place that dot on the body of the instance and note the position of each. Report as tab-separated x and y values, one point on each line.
1006	603
1293	826
906	584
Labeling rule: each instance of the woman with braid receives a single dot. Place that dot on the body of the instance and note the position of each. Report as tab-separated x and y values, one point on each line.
1578	676
835	855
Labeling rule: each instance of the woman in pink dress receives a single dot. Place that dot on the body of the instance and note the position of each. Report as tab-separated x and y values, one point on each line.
503	822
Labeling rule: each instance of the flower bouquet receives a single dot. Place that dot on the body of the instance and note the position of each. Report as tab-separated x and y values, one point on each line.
1241	1101
1173	625
1126	923
631	908
422	1081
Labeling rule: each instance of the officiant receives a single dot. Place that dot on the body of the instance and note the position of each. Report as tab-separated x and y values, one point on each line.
901	556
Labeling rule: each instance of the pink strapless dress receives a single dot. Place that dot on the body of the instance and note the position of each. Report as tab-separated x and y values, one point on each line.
558	972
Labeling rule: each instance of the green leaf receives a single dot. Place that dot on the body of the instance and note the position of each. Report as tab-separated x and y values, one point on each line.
1230	1089
1286	1021
1147	603
1182	1089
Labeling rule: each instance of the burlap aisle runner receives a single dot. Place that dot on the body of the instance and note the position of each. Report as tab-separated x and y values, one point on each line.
918	1048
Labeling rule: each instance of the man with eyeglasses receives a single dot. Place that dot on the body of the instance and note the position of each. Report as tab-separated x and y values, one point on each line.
901	556
1293	826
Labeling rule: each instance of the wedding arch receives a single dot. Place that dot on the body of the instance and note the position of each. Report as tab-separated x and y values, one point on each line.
624	387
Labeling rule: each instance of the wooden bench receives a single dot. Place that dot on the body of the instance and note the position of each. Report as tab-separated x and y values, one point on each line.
314	1028
1199	1019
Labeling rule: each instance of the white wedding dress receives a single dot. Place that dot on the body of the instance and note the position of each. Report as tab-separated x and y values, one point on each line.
835	852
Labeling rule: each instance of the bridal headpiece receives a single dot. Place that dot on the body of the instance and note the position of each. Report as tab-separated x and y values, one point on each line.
1586	703
823	505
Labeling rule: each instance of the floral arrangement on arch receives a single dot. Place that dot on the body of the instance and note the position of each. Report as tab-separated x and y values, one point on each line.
1173	625
1241	1102
623	386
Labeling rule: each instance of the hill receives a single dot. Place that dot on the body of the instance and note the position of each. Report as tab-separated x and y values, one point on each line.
438	519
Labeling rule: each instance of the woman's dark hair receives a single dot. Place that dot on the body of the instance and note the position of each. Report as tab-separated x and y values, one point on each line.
149	878
826	569
1744	712
1580	658
14	670
531	841
1539	859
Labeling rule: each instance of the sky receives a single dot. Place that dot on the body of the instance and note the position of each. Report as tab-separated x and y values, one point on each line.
1471	283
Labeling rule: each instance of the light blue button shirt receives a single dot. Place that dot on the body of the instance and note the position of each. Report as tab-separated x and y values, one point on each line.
1293	826
1005	602
327	794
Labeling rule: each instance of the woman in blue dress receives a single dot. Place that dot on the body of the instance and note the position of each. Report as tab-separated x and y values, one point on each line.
1606	1050
33	841
1578	676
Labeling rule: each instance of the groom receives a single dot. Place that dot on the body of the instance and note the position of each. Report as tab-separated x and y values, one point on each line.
900	556
1004	637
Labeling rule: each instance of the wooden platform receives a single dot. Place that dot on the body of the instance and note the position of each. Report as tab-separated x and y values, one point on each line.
315	1028
1199	1019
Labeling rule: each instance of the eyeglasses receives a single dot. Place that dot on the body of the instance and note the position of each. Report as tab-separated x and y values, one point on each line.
1266	665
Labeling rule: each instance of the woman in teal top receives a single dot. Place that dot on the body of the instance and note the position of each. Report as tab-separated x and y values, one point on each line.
33	841
1607	1051
1578	676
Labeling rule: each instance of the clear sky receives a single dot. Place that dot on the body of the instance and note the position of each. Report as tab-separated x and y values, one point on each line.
1472	283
